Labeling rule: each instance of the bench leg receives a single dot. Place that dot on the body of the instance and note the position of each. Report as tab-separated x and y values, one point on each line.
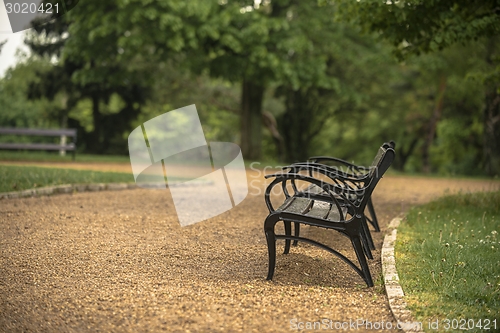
366	246
288	232
271	244
368	235
358	248
371	210
296	233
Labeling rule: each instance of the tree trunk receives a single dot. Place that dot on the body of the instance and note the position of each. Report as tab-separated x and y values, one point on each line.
251	119
296	125
270	122
492	133
431	132
95	137
491	118
403	155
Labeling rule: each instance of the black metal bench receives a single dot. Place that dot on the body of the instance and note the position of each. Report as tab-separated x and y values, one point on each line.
338	205
68	132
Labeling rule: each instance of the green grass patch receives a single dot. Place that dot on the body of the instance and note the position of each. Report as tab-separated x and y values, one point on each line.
17	178
447	255
43	156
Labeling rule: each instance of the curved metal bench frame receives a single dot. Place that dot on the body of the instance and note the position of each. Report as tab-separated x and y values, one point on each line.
352	224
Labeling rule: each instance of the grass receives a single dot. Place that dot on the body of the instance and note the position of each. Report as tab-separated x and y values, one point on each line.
447	255
17	178
41	156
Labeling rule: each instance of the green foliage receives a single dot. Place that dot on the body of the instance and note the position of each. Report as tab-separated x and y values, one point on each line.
416	27
216	100
447	257
455	152
330	82
91	69
424	26
17	178
16	109
399	105
328	89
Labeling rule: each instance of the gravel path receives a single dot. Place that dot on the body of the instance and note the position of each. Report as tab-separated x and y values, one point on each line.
118	261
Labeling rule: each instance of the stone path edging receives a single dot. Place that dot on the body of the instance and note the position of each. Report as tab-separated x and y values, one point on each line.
393	289
71	188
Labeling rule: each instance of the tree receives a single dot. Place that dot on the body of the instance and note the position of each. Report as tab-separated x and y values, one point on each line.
491	79
240	41
243	45
416	27
17	110
90	68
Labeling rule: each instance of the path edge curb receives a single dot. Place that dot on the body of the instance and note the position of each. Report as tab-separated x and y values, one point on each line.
66	188
91	187
393	289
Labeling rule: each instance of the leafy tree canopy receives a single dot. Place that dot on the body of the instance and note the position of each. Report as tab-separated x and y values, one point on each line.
420	26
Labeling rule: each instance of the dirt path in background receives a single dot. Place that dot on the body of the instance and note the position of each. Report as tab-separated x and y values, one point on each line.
114	167
118	261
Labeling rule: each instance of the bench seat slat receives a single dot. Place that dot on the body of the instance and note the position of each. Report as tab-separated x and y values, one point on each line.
314	189
296	205
41	132
37	146
326	211
334	214
313	208
320	209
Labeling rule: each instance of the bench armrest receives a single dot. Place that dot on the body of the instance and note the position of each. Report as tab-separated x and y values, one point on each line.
352	166
331	172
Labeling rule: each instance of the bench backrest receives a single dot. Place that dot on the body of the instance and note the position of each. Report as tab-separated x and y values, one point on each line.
381	155
41	132
382	162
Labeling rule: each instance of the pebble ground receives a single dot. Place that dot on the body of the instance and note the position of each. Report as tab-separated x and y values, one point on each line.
118	261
